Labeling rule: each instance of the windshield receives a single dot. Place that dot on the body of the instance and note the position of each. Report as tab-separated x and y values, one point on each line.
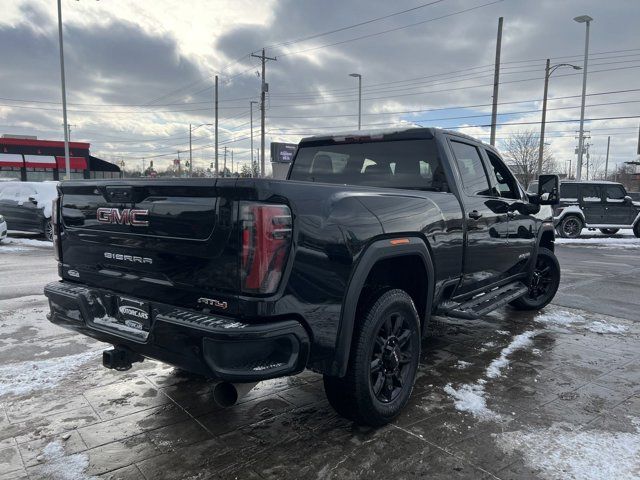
408	164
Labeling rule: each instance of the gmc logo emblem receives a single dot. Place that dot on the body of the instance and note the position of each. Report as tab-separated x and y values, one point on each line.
126	216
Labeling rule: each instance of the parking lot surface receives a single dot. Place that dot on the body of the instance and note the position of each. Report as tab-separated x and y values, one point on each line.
552	395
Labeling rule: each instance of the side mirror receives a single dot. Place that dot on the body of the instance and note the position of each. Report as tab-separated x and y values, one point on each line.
628	200
548	190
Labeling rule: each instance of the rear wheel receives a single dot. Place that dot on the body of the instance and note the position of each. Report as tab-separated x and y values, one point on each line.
383	362
543	284
571	226
636	229
48	230
609	231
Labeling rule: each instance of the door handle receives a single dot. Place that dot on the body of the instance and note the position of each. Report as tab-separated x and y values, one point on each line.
474	214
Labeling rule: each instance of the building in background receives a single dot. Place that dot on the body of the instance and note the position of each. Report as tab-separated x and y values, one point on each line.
281	156
28	159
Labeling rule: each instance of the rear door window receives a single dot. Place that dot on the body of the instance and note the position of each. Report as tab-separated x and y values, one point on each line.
614	194
474	176
591	193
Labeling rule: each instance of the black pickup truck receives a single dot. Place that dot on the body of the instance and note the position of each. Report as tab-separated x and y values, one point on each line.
337	269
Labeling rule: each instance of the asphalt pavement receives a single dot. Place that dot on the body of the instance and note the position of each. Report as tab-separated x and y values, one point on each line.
549	395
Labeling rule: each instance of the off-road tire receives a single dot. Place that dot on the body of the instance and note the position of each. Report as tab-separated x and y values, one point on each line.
571	226
352	396
609	231
532	300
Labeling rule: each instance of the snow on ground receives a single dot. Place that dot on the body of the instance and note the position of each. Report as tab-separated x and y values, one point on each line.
35	375
603	327
565	452
461	365
12	244
470	397
524	340
561	318
59	466
603	242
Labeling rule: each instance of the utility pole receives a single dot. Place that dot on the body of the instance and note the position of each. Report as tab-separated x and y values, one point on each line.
263	92
583	19
232	163
586	146
496	82
190	153
143	166
224	164
251	121
215	93
606	162
67	175
544	116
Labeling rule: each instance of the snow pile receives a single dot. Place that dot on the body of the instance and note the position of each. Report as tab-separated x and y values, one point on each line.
58	466
46	192
461	365
30	376
519	341
564	452
560	318
604	327
470	397
604	242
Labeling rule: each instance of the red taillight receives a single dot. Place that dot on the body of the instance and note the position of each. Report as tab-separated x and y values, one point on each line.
266	238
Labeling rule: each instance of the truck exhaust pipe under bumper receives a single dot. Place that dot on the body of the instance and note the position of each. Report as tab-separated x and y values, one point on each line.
226	394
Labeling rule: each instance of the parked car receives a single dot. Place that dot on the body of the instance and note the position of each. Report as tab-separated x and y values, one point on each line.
26	206
601	205
3	228
337	269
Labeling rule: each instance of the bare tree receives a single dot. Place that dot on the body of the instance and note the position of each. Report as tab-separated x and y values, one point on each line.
595	168
521	154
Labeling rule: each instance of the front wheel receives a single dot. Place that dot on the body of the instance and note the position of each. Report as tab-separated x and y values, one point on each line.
570	226
609	231
383	362
544	282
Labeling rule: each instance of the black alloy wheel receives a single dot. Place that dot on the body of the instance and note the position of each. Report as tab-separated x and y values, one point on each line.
544	282
391	358
383	361
48	230
571	226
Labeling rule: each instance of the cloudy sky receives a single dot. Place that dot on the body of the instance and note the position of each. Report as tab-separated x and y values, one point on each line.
138	73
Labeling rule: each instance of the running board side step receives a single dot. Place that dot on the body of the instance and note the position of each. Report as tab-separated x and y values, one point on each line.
484	303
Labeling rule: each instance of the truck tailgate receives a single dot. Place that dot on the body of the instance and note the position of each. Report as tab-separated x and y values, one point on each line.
131	235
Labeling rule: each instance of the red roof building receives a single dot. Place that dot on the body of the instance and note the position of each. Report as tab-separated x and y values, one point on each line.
30	159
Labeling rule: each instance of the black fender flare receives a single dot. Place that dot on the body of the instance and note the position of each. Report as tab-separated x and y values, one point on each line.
545	227
376	251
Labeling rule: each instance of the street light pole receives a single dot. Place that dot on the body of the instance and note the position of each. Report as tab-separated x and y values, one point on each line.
64	96
359	77
547	73
583	19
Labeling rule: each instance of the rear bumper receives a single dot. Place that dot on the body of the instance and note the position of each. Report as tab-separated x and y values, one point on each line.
210	345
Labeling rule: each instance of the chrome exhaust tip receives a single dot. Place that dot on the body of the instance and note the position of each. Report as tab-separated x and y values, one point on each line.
227	394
